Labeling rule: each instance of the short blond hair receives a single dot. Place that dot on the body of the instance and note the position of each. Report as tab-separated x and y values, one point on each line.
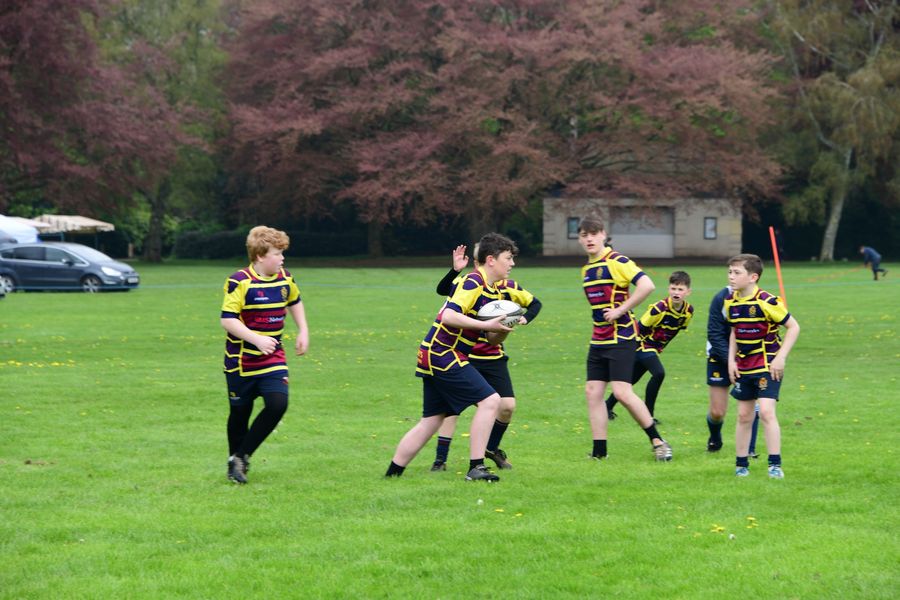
262	238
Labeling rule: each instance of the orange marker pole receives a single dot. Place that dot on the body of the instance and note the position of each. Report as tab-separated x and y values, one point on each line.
777	264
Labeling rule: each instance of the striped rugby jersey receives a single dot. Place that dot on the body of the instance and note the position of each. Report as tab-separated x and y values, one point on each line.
261	304
446	347
509	290
661	323
606	282
755	320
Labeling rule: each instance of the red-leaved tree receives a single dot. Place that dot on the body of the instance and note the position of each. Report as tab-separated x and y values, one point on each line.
77	132
415	111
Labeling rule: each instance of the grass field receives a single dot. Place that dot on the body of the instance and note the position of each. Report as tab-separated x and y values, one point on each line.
112	454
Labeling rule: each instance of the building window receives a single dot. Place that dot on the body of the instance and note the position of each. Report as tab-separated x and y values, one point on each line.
572	227
710	225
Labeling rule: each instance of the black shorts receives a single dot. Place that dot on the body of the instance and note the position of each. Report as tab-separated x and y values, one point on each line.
453	391
611	363
496	373
754	387
717	372
244	390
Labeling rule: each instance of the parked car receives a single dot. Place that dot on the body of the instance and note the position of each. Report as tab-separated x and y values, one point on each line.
62	266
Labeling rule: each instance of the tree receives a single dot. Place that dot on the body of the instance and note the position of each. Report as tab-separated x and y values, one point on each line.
172	47
77	133
468	109
845	63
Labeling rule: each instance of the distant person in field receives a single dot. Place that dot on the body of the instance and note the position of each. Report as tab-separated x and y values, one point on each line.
606	279
756	357
658	326
257	298
450	383
488	359
718	331
872	258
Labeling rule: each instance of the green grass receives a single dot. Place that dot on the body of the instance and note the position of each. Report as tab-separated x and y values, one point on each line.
112	454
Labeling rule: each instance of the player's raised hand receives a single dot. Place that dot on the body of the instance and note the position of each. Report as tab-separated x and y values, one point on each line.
460	260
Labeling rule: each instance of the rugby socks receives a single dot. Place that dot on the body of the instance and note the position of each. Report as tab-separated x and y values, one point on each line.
496	434
742	461
599	449
443	449
754	431
652	433
475	462
238	424
715	428
775	459
394	470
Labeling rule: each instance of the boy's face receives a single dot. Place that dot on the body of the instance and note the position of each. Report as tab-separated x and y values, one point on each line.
499	266
271	262
739	278
678	292
593	243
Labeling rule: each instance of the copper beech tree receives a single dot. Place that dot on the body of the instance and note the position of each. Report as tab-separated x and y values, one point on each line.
412	110
78	132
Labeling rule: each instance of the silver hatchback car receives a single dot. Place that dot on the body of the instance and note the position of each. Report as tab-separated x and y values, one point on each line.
62	266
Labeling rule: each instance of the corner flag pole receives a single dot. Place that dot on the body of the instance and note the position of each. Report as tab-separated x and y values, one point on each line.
777	264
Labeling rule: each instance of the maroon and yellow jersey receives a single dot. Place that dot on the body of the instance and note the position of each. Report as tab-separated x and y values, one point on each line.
509	290
446	347
755	320
606	281
261	304
661	323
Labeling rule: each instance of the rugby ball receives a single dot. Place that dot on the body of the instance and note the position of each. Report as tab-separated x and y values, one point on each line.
501	308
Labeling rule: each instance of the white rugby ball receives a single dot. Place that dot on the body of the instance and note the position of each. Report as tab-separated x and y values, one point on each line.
501	308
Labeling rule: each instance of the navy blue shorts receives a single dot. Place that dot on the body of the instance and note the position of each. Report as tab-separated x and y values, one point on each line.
753	387
611	363
496	373
244	390
717	373
453	391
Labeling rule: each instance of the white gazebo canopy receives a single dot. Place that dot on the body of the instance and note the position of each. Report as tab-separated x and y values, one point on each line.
39	225
73	224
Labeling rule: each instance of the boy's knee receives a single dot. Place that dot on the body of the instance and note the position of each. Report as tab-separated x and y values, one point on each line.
491	402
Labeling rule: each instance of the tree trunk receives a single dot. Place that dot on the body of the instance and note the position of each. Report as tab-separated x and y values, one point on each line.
153	240
837	208
374	237
478	225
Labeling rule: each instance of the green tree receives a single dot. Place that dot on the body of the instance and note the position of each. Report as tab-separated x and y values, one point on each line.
844	59
173	47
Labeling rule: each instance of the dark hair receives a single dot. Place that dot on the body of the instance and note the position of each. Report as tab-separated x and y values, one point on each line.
680	278
591	225
751	262
493	244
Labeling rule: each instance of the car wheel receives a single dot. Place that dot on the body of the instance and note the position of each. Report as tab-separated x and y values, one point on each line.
7	284
91	284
